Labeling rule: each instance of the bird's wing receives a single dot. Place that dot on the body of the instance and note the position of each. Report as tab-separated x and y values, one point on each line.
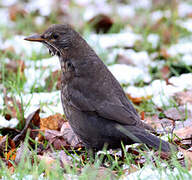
106	109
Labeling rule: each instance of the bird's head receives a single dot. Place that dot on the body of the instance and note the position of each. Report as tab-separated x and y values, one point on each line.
56	38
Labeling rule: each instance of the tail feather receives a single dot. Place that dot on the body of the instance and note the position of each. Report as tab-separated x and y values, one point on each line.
140	135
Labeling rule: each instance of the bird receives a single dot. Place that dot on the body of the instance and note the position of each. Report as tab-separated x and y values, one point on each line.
93	101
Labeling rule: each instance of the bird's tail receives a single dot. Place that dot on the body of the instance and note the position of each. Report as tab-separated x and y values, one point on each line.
140	135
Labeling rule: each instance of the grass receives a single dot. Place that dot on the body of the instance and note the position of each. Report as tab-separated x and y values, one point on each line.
30	165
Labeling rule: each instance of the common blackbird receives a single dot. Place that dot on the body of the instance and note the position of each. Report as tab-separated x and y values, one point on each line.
93	100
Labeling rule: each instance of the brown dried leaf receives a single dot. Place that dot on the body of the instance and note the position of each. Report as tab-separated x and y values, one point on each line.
160	125
184	133
15	11
20	152
15	66
121	59
164	54
132	168
138	100
101	23
29	120
65	138
6	144
184	97
53	122
175	113
165	73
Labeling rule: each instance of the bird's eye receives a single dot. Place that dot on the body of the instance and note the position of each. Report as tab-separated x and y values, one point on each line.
55	36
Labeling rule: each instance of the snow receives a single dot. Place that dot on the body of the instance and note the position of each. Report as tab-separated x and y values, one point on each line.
8	2
128	74
21	46
187	59
8	124
180	48
156	15
158	89
184	9
184	81
149	172
153	39
44	6
187	24
50	100
125	11
125	39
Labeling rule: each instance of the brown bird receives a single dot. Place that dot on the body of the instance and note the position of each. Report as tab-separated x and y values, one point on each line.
93	100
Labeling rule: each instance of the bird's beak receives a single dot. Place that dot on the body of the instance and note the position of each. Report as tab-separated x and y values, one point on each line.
35	37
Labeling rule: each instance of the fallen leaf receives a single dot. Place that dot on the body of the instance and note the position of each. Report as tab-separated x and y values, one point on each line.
122	59
101	23
6	144
10	156
184	97
165	73
15	11
184	133
165	55
29	120
53	122
175	114
138	100
15	66
160	125
132	168
65	138
21	151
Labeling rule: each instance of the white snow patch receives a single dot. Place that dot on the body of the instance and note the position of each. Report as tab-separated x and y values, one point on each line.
187	59
127	74
39	20
180	48
94	10
8	124
184	9
158	89
126	39
184	81
187	24
125	11
144	4
5	20
22	46
39	70
44	6
51	102
156	15
8	2
139	59
148	172
153	39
